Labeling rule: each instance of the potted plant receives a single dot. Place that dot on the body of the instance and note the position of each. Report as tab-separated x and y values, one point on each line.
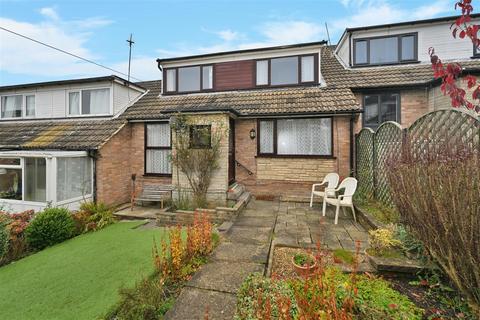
304	263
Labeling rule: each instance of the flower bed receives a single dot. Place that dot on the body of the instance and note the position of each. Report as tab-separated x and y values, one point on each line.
328	293
175	260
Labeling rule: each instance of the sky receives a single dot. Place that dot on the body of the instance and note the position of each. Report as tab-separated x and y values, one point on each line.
98	30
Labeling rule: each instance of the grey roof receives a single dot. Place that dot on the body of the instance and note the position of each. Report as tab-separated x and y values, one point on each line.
69	81
58	134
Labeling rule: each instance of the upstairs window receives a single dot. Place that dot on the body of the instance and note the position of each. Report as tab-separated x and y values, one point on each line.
286	71
189	79
379	108
89	102
17	106
385	50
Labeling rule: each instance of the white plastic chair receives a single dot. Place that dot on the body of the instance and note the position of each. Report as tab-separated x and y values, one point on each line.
344	200
331	180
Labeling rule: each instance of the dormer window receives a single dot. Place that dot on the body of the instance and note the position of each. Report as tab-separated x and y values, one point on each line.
189	79
17	106
385	50
286	71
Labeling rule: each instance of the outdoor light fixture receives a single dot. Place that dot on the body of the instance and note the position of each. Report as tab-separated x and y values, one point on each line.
253	134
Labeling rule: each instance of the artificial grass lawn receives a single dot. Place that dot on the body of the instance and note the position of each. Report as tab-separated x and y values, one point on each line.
79	278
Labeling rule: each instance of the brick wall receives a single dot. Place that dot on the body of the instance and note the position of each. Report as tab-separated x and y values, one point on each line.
112	177
288	176
413	104
119	158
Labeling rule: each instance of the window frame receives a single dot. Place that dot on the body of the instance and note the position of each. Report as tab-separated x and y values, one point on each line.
379	94
146	147
299	71
164	83
476	52
399	37
275	154
67	103
23	107
190	133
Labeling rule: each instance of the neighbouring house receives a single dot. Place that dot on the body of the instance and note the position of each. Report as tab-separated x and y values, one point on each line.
50	137
290	113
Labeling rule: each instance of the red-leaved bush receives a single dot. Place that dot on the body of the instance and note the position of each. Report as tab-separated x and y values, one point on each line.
450	73
17	245
438	197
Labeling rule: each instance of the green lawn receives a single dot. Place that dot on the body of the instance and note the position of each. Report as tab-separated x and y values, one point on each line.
79	278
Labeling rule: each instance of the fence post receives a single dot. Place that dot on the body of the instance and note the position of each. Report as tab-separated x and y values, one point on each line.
374	166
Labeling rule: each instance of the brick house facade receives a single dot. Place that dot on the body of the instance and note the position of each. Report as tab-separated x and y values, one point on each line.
291	112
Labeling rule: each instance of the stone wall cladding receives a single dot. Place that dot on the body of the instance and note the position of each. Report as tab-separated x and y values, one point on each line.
219	183
288	176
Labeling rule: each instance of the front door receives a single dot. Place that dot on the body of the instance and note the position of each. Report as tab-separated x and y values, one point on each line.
231	152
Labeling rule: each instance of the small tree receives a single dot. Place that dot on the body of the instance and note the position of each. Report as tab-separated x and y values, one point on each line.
196	154
450	73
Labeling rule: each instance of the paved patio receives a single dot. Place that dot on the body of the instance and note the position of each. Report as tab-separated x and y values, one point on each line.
299	225
245	249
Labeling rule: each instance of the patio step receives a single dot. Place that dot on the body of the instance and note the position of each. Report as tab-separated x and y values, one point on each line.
235	191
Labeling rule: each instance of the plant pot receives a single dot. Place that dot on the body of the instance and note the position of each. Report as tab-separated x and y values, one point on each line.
305	270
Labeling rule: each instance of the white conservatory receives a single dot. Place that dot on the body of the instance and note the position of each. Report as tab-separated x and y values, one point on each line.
35	179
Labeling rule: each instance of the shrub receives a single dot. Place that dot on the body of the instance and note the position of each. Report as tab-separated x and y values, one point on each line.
436	193
149	300
4	235
16	224
51	226
382	241
95	215
263	298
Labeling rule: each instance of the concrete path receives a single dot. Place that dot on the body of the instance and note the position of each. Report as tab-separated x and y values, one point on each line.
244	250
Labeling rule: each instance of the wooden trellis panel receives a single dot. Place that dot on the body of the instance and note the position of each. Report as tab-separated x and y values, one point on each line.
387	147
364	162
449	128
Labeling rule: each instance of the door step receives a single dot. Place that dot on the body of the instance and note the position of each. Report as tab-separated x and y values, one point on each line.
235	191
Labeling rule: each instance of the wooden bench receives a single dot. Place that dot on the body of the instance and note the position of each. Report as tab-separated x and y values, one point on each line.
155	193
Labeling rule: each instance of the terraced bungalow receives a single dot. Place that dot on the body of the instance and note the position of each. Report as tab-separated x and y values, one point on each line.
291	114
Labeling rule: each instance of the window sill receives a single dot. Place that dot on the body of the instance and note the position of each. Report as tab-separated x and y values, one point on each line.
156	175
384	64
295	156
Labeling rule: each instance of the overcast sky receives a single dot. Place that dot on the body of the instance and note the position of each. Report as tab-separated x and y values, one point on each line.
97	30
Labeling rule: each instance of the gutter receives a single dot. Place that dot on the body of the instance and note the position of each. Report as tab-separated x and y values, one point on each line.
351	145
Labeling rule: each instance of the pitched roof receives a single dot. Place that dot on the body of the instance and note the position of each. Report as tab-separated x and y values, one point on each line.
58	134
381	76
69	81
246	103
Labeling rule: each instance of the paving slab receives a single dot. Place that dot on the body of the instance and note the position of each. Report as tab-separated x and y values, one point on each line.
193	303
250	235
231	251
224	276
243	221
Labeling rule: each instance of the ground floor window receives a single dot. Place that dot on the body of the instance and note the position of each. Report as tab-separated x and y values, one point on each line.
34	176
295	137
23	179
158	148
379	108
74	177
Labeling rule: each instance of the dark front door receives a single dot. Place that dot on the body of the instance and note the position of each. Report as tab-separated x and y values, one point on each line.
231	152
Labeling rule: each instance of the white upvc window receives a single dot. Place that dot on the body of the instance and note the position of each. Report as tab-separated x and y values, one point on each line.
86	102
17	106
37	178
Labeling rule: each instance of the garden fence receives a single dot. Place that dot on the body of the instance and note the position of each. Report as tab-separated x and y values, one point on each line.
429	133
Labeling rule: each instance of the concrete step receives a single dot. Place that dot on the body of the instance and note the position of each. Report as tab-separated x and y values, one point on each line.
235	191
